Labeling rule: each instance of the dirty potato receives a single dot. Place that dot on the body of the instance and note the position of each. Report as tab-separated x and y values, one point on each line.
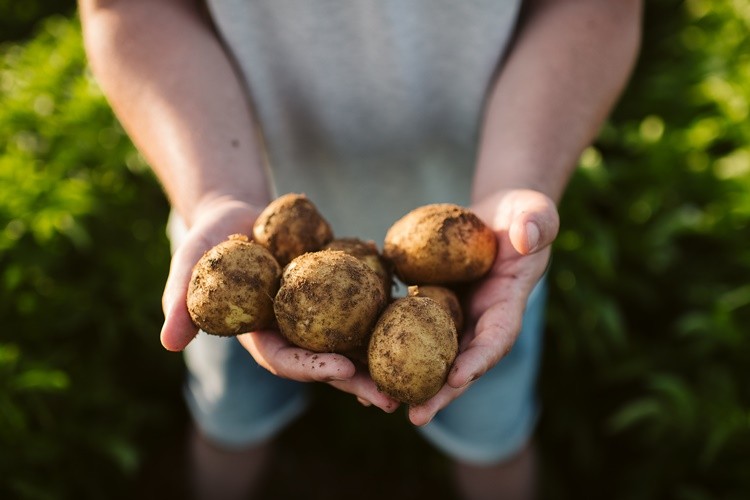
412	348
445	297
439	244
232	287
328	301
290	226
367	252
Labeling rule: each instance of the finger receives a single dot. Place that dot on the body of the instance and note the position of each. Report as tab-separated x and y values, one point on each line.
493	338
181	269
362	386
178	329
495	333
276	355
423	413
534	221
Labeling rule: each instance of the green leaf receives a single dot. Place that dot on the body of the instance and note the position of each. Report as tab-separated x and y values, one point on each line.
41	380
635	413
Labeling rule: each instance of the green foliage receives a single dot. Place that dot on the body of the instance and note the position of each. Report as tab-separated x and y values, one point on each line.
84	384
18	19
646	385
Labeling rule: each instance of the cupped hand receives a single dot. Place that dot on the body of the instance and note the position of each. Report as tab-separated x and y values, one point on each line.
215	223
526	223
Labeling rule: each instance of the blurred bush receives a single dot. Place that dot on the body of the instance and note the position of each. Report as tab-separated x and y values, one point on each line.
645	382
19	19
83	389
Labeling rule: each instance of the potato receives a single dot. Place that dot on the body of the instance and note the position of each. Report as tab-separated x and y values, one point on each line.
290	226
367	252
412	348
443	296
328	301
440	244
232	286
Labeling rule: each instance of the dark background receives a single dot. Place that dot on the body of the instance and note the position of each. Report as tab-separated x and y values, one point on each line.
645	375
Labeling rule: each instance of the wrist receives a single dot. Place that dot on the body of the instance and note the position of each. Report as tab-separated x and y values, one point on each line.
212	202
489	201
550	181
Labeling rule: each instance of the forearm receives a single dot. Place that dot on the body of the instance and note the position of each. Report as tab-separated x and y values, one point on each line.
177	95
564	73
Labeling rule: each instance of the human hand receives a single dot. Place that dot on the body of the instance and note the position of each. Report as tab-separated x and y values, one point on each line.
526	222
215	222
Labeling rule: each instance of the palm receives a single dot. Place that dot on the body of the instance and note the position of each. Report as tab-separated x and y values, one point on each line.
212	228
494	310
495	305
268	348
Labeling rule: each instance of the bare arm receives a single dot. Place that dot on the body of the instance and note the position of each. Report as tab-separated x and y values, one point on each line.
175	90
568	65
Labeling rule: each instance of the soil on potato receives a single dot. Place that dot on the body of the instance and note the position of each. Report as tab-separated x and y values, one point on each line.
290	226
338	450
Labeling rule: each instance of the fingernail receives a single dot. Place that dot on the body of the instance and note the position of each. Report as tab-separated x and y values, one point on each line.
470	380
363	401
532	235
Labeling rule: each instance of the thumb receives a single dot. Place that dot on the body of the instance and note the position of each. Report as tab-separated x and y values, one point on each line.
178	329
534	222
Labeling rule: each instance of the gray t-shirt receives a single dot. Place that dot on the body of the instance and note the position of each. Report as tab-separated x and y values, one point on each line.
370	107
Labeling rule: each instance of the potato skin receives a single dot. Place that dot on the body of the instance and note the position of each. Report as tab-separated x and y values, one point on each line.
443	296
412	348
367	252
440	244
231	288
290	226
328	301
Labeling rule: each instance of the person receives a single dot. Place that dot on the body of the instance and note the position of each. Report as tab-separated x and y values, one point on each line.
371	108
